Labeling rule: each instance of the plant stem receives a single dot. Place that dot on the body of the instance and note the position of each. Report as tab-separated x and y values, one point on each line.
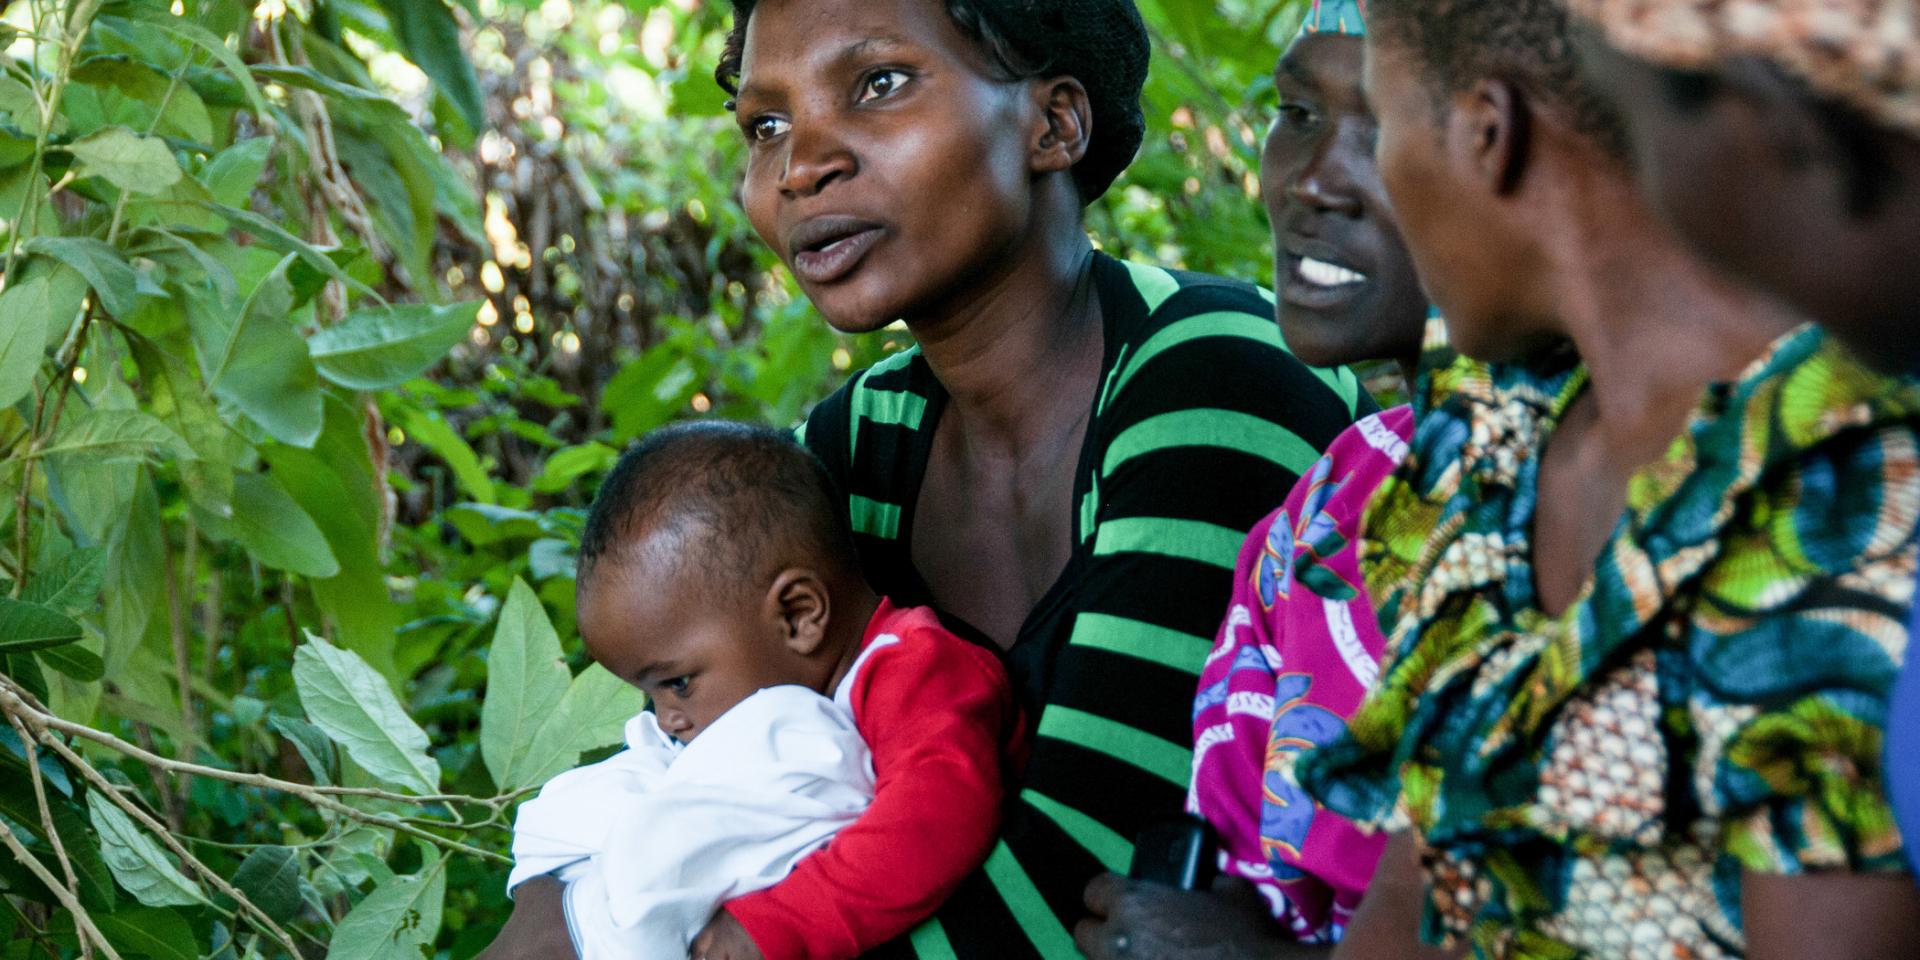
82	920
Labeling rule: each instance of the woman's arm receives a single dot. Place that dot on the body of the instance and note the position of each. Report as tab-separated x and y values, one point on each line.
1387	925
1832	916
537	928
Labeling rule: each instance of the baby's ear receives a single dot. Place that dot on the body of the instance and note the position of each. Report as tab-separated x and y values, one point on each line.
800	607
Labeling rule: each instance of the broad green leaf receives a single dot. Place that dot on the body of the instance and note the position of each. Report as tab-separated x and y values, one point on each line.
24	316
231	176
594	713
277	238
430	430
216	273
143	869
400	918
270	877
353	704
74	662
568	465
431	39
526	680
135	163
274	529
70	584
114	436
135	553
311	742
205	39
154	933
17	99
184	114
112	280
484	524
31	626
258	362
549	557
386	346
335	483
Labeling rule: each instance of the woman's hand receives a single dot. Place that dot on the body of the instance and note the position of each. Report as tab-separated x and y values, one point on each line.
537	928
1148	921
724	939
1831	916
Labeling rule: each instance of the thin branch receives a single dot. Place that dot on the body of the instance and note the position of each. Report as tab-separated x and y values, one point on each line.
160	832
82	920
46	819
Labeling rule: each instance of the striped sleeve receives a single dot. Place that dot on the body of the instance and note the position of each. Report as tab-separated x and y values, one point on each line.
1202	427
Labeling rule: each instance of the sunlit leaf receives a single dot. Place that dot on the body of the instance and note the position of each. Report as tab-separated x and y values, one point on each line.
137	862
128	160
398	919
353	704
526	679
385	346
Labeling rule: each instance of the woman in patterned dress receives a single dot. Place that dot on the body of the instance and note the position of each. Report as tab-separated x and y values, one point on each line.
1644	581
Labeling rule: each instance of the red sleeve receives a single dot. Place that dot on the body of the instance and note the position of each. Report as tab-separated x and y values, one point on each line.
933	709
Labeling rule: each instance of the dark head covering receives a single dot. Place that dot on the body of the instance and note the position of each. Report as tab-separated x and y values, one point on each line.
1101	43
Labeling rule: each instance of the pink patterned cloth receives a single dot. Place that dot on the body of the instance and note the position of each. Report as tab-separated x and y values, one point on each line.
1298	651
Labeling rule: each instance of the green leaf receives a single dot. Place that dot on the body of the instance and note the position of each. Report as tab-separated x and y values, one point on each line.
135	552
112	280
400	918
135	163
483	524
431	39
216	272
274	529
184	114
75	662
548	558
354	705
24	316
432	431
277	238
17	99
568	465
31	626
156	934
258	362
311	742
594	713
143	869
205	39
386	346
70	584
270	877
232	175
526	679
110	436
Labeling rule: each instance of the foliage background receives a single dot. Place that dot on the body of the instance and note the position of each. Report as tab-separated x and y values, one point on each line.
320	322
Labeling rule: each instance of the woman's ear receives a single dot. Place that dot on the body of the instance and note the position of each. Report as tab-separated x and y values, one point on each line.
799	606
1063	125
1492	132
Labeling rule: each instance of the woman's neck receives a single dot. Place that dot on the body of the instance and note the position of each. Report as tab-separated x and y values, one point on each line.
1014	351
1653	324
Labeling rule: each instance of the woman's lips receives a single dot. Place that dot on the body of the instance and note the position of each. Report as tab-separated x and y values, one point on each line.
1316	284
837	257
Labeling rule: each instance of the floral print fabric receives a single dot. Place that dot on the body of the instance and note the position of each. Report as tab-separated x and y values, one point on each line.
1295	655
1593	784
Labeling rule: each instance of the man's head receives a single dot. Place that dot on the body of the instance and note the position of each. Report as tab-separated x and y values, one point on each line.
1347	288
1781	139
707	569
1487	136
900	149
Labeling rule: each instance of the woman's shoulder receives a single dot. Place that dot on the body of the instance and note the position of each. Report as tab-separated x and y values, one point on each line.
1176	331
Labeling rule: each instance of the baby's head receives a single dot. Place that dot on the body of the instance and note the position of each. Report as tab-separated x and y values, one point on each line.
709	568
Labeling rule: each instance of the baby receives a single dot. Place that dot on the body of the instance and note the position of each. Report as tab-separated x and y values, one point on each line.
822	766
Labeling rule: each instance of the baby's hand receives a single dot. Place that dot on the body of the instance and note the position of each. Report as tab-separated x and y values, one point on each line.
724	939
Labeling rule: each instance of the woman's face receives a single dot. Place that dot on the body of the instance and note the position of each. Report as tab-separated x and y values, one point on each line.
887	162
1740	164
1348	291
1456	226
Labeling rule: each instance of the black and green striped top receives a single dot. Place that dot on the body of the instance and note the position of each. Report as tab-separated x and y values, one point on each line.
1201	424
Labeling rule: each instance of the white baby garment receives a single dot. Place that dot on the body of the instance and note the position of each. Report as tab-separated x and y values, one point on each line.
653	839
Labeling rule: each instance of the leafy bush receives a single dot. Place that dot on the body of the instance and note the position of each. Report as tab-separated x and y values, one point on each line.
319	322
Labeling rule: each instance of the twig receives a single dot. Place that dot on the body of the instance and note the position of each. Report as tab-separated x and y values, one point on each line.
325	797
82	920
167	839
46	819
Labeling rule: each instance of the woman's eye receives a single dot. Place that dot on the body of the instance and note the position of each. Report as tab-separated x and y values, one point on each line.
881	83
766	128
678	685
1293	115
